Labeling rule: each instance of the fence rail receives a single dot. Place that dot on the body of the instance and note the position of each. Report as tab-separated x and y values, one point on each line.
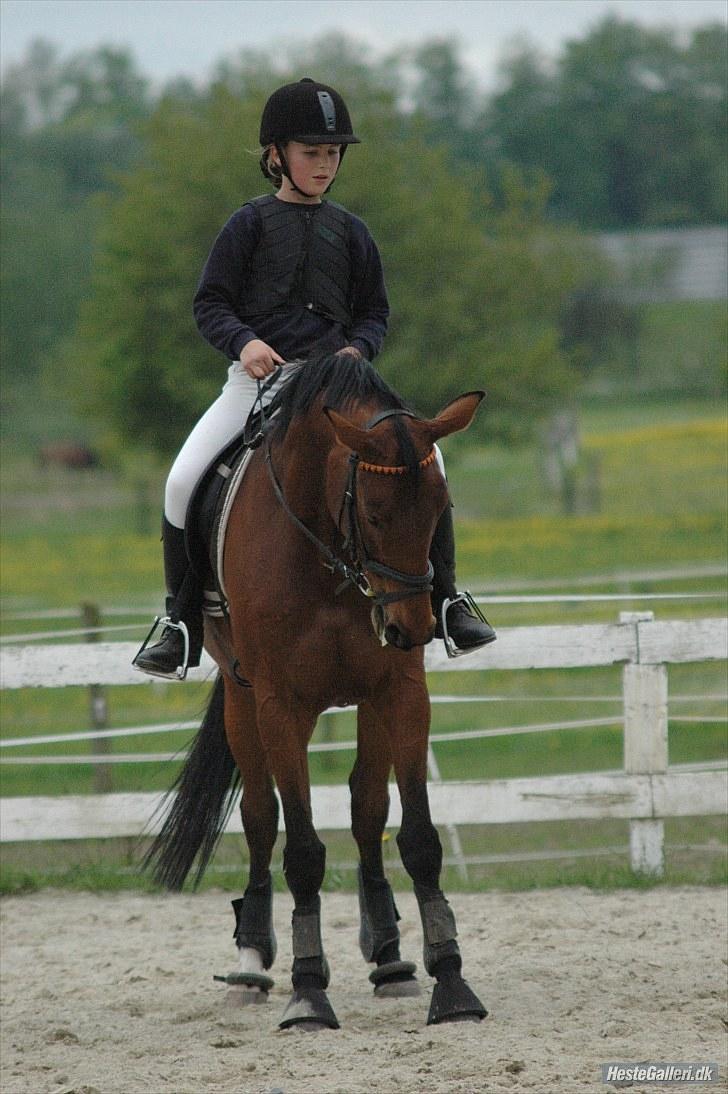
590	645
646	792
606	795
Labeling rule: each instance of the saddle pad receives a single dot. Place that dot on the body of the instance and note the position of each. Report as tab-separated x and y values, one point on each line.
216	601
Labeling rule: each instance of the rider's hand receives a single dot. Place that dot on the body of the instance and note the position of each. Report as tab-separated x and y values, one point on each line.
259	360
352	351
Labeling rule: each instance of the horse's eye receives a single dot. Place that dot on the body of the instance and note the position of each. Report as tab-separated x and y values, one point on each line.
374	520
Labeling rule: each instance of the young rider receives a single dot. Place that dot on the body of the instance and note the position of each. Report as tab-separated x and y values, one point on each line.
267	297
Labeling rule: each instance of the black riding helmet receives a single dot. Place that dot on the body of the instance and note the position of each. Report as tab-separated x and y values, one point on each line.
306	111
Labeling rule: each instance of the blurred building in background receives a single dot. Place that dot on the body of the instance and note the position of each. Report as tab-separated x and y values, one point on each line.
665	264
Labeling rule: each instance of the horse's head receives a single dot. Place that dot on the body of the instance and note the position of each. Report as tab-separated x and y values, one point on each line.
385	491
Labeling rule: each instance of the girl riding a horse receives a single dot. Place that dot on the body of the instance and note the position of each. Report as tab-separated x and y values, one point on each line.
290	277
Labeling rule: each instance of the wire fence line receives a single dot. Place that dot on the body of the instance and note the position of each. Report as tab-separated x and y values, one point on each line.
504	858
177	727
619	577
687	572
490	593
564	598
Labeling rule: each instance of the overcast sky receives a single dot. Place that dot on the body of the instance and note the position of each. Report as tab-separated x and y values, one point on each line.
186	37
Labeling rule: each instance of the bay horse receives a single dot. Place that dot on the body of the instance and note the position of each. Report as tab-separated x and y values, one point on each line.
340	498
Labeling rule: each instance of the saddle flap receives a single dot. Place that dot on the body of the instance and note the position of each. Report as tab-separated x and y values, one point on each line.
207	520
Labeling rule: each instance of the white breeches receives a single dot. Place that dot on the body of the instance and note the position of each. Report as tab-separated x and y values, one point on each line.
217	427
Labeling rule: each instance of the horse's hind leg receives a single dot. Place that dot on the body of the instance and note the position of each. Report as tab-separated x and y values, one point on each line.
378	933
408	716
285	737
254	934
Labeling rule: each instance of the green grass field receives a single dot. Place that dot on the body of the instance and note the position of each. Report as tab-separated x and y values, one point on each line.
68	539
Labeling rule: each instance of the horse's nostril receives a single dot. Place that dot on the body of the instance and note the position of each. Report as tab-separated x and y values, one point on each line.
395	637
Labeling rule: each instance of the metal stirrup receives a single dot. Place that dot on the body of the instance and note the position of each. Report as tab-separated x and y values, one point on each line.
181	671
461	598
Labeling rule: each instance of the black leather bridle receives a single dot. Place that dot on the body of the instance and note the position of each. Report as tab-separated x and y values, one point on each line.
353	573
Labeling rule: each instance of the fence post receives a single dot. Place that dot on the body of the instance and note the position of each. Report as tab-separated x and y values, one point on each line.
98	706
644	690
451	829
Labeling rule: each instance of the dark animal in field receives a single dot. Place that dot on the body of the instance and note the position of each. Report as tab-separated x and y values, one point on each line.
69	454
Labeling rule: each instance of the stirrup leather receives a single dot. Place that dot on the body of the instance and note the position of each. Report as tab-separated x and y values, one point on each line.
181	671
462	598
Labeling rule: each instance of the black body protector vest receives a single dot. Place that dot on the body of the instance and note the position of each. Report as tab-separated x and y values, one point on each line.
302	260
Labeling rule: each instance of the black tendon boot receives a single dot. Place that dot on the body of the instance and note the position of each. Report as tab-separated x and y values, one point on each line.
459	620
180	646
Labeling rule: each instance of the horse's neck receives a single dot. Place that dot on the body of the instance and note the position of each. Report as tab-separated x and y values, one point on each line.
301	464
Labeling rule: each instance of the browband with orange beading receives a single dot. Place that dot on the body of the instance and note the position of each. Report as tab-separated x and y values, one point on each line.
384	469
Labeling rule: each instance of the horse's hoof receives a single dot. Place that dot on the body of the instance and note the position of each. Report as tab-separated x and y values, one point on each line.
309	1027
242	997
453	1001
398	989
395	980
310	1009
246	988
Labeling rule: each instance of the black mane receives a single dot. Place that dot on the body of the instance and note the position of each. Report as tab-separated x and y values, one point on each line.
343	381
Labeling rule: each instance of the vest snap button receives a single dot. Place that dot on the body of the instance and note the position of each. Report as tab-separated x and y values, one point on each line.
310	307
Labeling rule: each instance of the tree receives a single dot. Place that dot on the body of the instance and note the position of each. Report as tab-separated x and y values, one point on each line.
629	126
444	96
67	126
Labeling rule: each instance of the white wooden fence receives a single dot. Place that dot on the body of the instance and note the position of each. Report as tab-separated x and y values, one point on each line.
646	792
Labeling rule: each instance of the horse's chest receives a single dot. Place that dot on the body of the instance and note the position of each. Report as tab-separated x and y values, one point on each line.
336	664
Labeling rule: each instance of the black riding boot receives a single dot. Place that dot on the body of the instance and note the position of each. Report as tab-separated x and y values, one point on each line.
182	632
459	620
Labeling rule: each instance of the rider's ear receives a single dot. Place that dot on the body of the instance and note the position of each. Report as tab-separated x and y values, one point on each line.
455	416
350	435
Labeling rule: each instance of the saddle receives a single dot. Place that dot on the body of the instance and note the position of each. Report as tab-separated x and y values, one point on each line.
212	501
208	515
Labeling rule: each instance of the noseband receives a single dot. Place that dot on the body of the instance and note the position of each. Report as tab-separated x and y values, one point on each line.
354	573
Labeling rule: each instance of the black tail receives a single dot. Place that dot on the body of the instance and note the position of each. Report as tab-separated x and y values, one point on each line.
203	802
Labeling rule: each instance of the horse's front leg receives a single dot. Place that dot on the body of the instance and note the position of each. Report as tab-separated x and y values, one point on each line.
407	714
285	736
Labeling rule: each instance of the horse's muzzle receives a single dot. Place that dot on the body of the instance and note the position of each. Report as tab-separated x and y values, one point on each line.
393	633
403	640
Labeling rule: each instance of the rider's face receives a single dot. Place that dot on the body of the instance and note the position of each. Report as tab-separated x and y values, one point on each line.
312	168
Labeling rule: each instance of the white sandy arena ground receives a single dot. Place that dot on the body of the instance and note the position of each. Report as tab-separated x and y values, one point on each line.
113	994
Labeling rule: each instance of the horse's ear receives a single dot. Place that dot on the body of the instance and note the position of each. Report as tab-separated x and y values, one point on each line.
346	432
455	416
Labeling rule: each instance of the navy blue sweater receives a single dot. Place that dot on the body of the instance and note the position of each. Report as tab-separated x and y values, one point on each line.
298	332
